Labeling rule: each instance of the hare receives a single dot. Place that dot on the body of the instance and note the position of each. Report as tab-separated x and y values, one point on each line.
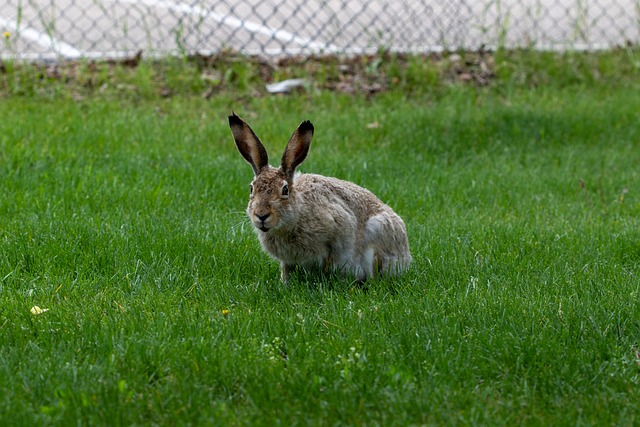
311	220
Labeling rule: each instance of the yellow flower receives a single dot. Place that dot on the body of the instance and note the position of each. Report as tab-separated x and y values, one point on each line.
225	312
6	35
35	310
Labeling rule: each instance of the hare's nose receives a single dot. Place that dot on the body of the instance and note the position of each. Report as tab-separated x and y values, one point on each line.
263	217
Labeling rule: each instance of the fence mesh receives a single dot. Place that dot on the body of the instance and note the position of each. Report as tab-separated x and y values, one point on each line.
59	29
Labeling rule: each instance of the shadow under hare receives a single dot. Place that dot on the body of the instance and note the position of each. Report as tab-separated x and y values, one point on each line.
310	221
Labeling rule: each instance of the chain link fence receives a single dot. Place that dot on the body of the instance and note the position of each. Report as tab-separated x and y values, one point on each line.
67	29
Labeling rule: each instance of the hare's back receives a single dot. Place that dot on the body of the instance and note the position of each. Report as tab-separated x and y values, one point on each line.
329	188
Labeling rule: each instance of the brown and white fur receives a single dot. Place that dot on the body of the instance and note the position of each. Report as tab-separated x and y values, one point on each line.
311	220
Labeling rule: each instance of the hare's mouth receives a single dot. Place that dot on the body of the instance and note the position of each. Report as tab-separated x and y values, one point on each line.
262	226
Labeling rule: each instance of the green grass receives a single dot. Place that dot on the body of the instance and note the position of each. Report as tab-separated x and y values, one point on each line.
123	215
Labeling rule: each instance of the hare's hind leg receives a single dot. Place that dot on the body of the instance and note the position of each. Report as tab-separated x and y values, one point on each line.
367	267
372	264
386	248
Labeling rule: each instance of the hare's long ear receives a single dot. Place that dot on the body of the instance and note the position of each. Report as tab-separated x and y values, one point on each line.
297	148
248	144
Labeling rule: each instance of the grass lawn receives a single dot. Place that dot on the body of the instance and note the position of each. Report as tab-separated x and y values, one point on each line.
123	217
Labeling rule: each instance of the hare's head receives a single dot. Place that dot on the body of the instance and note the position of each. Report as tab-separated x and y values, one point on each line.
272	191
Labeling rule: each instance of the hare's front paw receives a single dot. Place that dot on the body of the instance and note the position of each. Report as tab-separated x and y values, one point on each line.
285	272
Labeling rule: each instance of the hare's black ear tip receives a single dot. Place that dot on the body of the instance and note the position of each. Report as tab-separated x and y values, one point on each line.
306	126
234	119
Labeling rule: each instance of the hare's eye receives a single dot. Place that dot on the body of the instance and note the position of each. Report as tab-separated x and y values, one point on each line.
251	189
285	190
